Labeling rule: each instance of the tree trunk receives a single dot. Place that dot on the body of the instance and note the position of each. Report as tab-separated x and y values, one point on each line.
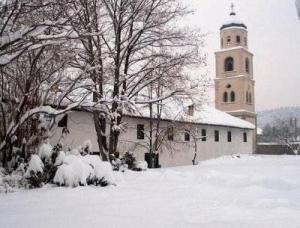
100	127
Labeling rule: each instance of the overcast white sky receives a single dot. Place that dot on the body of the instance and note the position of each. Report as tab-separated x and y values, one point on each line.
274	39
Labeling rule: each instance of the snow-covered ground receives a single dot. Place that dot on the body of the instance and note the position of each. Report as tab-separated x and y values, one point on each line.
227	192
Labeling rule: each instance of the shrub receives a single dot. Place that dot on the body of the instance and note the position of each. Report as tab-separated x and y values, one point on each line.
34	173
129	159
141	166
78	170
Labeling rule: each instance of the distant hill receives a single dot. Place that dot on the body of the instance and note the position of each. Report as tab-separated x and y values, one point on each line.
269	116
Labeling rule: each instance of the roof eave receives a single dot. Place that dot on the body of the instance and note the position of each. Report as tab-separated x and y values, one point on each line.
233	25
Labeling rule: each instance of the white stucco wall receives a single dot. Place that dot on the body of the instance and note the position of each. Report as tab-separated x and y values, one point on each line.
174	153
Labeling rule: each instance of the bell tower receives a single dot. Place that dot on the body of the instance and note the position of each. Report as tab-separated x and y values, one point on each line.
234	83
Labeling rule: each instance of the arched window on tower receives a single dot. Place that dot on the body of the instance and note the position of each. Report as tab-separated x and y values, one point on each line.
228	39
250	98
229	64
225	97
247	65
247	97
238	39
232	96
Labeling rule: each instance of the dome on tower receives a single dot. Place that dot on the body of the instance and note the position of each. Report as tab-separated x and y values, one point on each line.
233	20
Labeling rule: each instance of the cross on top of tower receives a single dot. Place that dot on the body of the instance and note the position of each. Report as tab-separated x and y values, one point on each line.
232	9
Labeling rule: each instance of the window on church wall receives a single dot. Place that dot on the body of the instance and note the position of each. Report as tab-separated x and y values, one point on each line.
140	131
247	97
203	135
245	137
232	96
229	136
225	97
238	39
217	136
229	64
247	65
170	133
187	136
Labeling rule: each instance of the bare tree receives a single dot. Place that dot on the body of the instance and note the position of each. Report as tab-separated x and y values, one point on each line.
87	28
144	38
33	68
125	42
118	49
20	24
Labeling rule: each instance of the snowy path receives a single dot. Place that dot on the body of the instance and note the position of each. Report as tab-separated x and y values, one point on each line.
247	192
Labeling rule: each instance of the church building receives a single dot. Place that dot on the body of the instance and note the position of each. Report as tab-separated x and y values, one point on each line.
190	133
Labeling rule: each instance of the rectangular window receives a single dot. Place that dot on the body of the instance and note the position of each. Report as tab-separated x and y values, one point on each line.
228	136
187	136
203	135
217	136
170	133
245	138
238	39
63	122
140	131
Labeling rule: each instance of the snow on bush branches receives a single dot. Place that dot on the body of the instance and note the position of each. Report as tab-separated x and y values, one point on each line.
72	169
78	170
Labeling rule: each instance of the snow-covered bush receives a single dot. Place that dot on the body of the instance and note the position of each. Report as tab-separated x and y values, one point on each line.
2	187
45	151
34	173
141	166
1	175
129	159
102	170
52	165
15	160
35	165
78	170
60	158
73	173
16	179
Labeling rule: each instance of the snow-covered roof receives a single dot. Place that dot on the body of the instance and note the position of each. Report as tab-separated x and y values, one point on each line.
233	21
202	115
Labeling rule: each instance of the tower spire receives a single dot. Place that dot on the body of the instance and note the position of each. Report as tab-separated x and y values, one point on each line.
232	13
